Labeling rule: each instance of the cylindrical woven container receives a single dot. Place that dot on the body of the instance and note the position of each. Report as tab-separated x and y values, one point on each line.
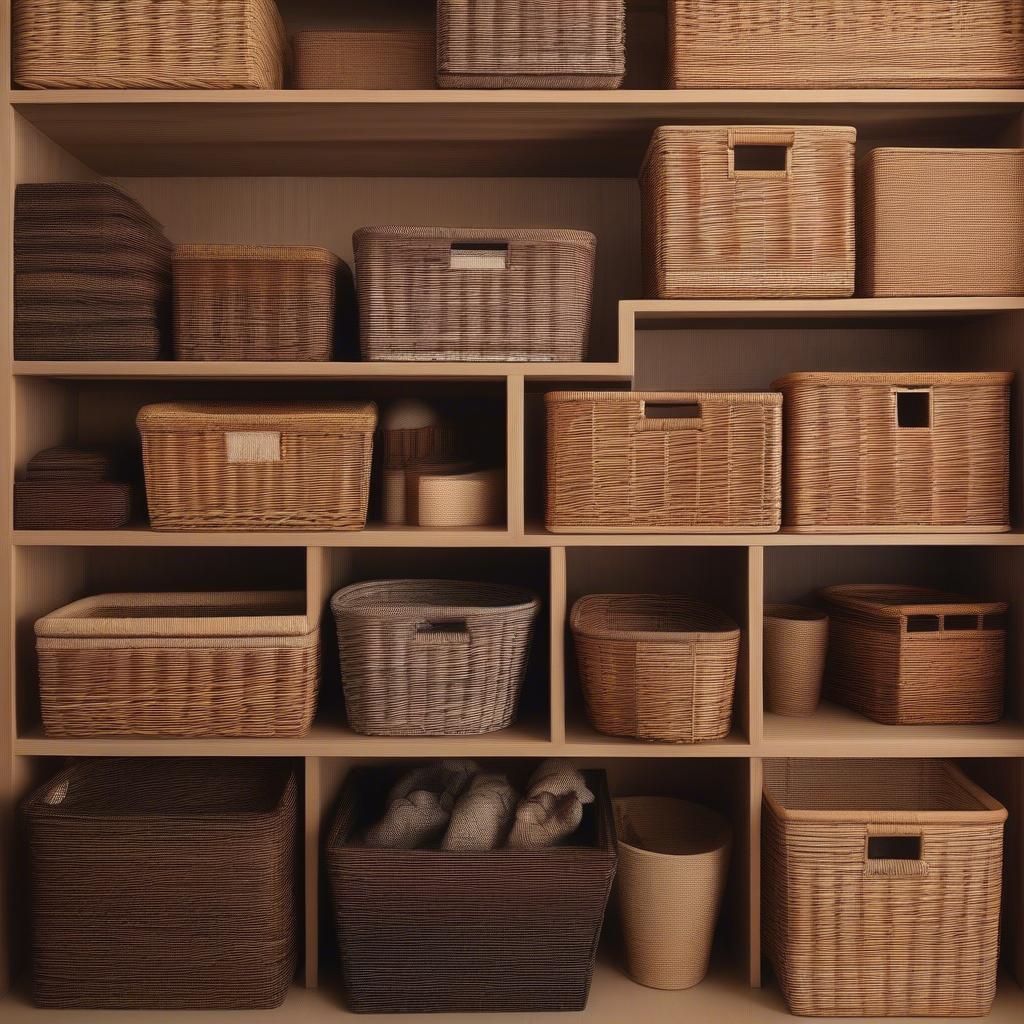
663	462
432	931
450	500
853	44
881	888
364	60
795	647
748	212
285	466
531	44
942	221
432	657
193	664
489	294
673	865
886	451
163	884
148	44
655	667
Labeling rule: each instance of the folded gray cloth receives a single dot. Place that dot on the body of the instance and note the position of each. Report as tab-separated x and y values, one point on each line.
482	816
552	808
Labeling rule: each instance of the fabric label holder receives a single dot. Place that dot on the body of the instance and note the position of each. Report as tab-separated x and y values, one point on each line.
252	445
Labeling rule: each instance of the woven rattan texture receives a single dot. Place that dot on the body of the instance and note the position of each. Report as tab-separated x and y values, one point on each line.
71	505
849	935
795	647
364	60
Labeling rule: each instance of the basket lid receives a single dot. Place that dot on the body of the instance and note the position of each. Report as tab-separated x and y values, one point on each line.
396	232
770	398
649	617
826	379
891	600
309	416
65	462
194	253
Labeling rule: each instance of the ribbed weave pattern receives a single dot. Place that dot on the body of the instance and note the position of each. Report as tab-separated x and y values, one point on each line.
364	60
795	646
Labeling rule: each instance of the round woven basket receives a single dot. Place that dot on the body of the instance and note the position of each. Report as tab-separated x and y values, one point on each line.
673	864
795	645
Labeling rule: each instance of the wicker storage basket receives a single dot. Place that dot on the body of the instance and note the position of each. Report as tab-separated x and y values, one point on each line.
886	451
942	221
756	212
432	657
855	44
364	60
72	505
881	888
532	44
163	884
148	44
795	647
662	462
452	500
433	931
221	466
654	667
913	656
491	294
263	302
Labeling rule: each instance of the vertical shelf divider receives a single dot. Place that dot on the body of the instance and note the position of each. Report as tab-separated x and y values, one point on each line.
755	644
311	869
558	626
515	447
753	882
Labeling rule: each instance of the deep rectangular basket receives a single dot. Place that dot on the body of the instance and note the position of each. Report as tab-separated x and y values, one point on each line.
489	294
163	884
148	44
364	60
886	451
941	222
284	466
427	930
881	888
662	462
72	504
179	664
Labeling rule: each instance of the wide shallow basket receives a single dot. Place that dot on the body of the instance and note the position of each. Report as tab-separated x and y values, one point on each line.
224	466
262	302
887	451
148	44
432	657
748	212
531	44
915	656
72	505
655	667
794	651
854	44
364	60
881	888
662	462
942	221
163	884
491	294
429	930
192	664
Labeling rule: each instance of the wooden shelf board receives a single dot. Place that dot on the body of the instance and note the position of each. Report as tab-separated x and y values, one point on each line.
581	740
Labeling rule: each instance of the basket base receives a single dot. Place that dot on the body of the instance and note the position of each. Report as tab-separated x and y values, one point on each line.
899	528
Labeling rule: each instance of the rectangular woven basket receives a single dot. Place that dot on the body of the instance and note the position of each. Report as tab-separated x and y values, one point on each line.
148	44
285	466
886	451
163	884
881	888
489	294
364	60
941	222
748	212
71	505
428	931
662	461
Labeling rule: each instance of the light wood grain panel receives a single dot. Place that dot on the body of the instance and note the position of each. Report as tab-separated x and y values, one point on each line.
558	624
311	804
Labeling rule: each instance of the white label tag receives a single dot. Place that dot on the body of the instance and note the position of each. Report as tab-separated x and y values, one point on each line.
253	445
478	257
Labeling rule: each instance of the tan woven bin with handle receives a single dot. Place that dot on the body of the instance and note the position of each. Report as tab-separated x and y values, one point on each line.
364	60
181	664
748	212
881	888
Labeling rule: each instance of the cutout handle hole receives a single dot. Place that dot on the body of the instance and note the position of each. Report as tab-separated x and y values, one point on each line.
672	410
757	157
894	847
478	256
914	409
961	622
922	623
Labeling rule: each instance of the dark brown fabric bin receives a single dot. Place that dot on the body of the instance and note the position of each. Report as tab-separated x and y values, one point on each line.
71	505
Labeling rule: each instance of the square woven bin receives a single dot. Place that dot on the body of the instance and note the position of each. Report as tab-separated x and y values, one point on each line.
881	888
193	664
942	221
163	884
427	930
913	656
72	505
489	294
748	212
886	451
364	60
222	466
663	462
148	44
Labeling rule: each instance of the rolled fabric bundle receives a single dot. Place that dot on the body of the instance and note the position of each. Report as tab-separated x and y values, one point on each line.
552	808
482	816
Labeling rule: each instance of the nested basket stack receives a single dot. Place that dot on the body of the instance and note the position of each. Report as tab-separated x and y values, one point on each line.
881	888
163	884
364	60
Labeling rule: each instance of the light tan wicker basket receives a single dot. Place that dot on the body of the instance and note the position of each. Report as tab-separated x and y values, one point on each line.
749	212
887	451
364	60
148	44
663	462
193	664
881	888
458	500
223	466
941	222
795	646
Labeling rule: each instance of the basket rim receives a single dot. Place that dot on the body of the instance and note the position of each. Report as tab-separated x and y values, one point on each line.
725	827
882	151
824	378
229	252
785	611
730	630
769	398
855	596
382	232
249	415
343	600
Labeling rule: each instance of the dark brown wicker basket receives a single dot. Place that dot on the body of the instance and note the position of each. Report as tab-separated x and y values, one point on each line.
71	505
426	930
163	884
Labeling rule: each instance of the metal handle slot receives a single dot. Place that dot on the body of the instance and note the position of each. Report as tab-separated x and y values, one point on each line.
478	256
